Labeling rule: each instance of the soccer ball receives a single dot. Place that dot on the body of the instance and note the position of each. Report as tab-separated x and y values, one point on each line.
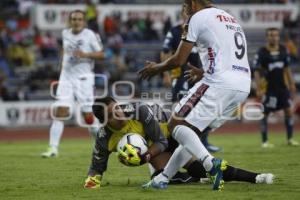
136	140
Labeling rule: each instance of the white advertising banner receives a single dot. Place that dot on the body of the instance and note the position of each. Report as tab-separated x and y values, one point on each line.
55	17
262	16
33	113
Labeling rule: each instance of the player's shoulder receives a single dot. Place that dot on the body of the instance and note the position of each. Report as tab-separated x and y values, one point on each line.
283	49
204	14
88	32
207	11
91	34
263	50
66	31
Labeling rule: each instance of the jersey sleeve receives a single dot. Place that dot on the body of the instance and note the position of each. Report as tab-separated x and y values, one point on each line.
195	28
151	127
96	42
100	153
167	45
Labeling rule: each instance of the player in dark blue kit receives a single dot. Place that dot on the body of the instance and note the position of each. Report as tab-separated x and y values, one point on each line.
275	84
180	84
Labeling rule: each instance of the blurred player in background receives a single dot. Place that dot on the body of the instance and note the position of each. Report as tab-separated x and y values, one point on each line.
275	84
151	123
179	83
222	45
81	47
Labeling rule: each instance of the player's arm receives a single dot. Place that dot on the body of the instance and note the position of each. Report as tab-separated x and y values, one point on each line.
257	74
288	74
258	83
92	55
179	58
153	132
99	161
290	80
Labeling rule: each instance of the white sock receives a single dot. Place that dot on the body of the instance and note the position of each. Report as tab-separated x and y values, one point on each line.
93	130
56	131
191	142
151	169
178	159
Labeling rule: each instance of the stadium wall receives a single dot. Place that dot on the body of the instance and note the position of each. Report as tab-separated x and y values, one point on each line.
38	113
54	17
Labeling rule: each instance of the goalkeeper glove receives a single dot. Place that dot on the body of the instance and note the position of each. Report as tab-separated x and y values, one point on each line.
130	156
93	182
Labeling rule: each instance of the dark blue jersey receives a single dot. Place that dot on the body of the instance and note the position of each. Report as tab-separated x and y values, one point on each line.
270	65
171	43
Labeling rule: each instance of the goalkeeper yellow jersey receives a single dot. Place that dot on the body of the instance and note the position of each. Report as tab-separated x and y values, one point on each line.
148	121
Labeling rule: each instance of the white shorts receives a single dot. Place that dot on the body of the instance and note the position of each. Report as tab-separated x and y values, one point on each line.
206	106
74	88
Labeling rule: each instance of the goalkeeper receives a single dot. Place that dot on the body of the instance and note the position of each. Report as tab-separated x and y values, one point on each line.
151	123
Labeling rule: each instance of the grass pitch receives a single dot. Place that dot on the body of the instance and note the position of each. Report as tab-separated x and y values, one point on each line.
25	175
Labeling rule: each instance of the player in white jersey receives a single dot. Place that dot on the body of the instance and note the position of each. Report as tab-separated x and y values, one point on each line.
222	47
81	46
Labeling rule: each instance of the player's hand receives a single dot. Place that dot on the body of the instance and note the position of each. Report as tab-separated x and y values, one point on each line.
150	69
93	182
129	156
194	74
79	54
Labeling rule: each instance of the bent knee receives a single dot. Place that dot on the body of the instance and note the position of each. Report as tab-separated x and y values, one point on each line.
62	112
88	118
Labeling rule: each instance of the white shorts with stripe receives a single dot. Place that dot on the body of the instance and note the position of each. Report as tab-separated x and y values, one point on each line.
207	106
73	89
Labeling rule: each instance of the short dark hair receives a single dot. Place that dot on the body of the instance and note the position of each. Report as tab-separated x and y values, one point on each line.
98	108
271	29
204	2
76	11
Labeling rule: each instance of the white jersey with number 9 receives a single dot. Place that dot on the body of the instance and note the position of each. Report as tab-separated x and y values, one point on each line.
222	47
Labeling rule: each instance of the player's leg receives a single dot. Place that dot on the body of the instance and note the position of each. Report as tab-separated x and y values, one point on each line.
270	104
196	170
160	161
85	96
56	131
204	139
62	110
264	132
89	120
184	133
289	124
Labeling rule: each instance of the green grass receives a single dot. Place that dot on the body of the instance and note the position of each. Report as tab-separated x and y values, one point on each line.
24	175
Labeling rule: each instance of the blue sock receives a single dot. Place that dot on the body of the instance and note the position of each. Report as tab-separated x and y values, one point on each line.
264	129
289	123
204	138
